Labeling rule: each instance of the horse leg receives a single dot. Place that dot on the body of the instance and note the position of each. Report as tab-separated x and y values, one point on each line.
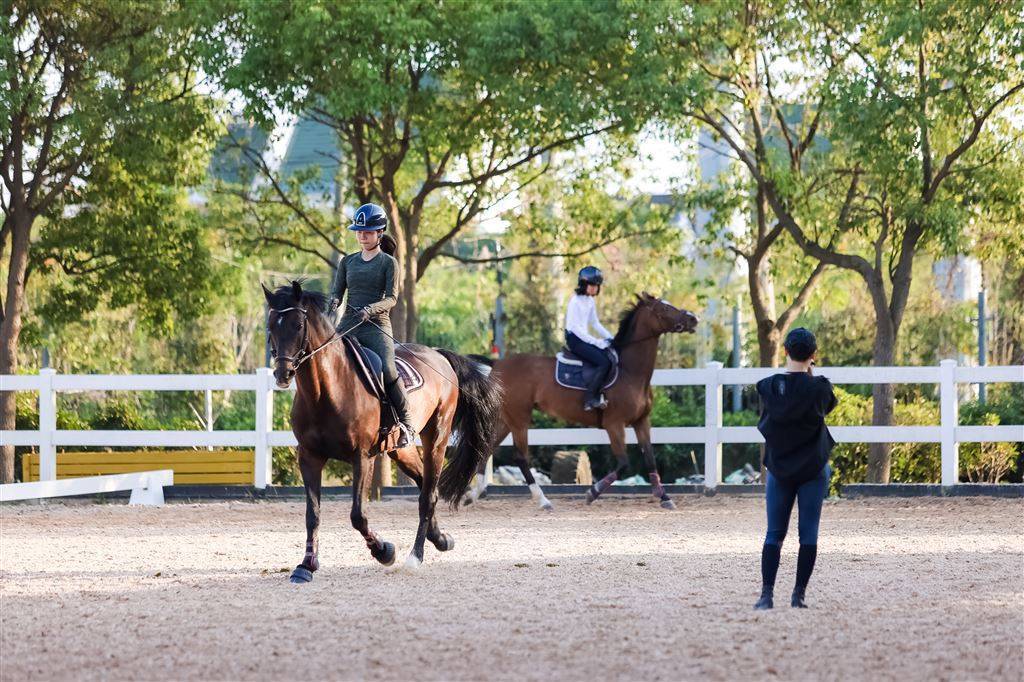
522	460
617	437
362	474
413	468
433	458
643	437
478	489
312	468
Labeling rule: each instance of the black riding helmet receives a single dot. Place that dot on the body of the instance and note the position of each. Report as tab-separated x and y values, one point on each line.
369	217
590	275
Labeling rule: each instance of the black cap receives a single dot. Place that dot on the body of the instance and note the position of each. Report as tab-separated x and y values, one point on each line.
800	344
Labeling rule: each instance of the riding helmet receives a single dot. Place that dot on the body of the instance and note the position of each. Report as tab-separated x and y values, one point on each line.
591	275
369	217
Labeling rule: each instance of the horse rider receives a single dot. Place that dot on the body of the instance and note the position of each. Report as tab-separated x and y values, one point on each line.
369	276
580	319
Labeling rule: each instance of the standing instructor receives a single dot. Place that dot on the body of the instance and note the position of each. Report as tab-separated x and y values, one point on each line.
797	448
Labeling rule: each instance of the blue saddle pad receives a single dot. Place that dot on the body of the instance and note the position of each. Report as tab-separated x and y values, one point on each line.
572	372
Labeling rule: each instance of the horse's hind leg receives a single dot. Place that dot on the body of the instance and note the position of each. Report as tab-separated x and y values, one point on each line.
522	460
433	458
478	489
362	470
312	468
412	465
643	437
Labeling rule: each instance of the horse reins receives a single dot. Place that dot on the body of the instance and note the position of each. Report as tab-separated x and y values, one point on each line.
297	360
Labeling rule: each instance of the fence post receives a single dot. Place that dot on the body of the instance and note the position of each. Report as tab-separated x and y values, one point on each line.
712	423
949	419
47	425
263	473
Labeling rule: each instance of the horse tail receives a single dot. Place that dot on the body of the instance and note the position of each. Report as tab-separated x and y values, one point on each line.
476	419
482	359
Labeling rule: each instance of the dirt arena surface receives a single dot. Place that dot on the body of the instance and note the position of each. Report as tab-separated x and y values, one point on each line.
904	589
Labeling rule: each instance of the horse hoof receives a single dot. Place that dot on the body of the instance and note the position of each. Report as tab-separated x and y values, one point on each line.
301	575
466	501
413	562
547	506
445	543
668	504
591	497
386	554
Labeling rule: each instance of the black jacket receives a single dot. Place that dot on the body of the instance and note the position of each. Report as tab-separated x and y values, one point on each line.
797	442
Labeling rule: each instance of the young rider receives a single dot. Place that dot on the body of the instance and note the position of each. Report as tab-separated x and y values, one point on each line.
369	276
580	318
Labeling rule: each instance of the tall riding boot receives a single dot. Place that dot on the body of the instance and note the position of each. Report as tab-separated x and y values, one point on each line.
397	398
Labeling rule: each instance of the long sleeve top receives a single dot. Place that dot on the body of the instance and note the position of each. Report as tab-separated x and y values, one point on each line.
370	286
797	442
581	317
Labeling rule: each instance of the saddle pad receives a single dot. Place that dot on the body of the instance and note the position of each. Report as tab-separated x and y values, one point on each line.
370	368
411	377
574	374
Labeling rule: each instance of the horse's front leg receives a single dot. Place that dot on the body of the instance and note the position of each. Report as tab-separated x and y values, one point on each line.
362	473
643	437
617	439
312	467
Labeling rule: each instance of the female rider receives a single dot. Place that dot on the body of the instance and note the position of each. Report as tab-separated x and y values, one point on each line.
580	318
369	277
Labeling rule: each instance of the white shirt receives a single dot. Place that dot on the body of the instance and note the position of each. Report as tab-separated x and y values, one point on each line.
581	316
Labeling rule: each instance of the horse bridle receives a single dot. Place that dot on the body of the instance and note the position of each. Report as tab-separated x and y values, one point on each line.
301	357
674	330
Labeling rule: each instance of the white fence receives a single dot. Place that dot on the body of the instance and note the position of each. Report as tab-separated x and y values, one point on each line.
712	435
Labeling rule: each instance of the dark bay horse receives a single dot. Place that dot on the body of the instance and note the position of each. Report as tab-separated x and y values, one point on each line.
334	416
528	381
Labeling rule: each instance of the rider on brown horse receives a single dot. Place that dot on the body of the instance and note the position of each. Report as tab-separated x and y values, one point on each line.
580	318
369	277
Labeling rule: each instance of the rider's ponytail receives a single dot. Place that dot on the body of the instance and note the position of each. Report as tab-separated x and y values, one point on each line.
388	244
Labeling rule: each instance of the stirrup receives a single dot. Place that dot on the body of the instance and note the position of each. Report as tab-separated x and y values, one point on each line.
406	436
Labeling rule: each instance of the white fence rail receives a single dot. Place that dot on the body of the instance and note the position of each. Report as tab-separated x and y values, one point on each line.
147	487
712	435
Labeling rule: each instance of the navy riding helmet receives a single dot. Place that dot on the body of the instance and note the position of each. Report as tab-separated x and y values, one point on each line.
369	217
591	275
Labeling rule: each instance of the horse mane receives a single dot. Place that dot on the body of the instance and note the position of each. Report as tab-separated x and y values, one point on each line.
626	320
312	300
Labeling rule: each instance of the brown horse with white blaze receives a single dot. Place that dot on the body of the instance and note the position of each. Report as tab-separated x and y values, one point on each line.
528	381
335	416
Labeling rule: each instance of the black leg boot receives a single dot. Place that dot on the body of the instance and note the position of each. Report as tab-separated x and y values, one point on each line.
396	395
770	555
804	567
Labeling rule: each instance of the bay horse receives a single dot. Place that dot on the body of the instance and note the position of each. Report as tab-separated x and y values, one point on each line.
528	381
336	416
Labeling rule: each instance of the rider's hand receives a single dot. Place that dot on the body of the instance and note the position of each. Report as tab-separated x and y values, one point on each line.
333	305
363	315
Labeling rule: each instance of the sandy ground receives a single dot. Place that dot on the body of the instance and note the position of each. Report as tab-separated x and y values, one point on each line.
905	589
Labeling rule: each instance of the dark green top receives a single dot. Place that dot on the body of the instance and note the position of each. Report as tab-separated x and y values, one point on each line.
370	286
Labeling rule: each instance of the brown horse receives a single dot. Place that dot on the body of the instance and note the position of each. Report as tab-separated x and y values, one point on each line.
528	381
335	416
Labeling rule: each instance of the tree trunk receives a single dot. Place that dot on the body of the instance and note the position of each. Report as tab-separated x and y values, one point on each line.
10	329
769	338
883	395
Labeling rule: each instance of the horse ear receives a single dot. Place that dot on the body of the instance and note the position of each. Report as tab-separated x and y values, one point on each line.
266	292
646	296
296	290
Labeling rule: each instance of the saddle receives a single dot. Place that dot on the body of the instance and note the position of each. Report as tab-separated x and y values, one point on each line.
370	369
572	371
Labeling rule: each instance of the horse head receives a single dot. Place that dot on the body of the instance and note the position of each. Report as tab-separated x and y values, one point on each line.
294	315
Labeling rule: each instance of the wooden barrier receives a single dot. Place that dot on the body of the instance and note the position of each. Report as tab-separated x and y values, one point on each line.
190	466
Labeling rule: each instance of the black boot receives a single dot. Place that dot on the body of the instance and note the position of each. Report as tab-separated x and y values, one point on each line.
396	395
798	598
765	602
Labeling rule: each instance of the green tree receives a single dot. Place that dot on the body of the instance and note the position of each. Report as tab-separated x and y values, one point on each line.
431	102
102	130
906	130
